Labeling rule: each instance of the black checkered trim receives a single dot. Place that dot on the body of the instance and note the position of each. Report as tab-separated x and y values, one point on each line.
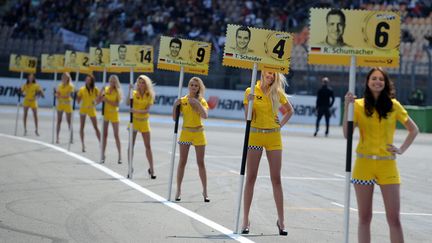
185	143
256	147
363	182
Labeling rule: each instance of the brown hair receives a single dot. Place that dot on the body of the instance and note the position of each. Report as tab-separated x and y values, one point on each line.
383	105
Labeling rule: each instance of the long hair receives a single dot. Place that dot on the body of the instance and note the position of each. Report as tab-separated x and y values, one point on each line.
117	85
201	90
67	74
276	89
149	85
32	79
383	105
91	86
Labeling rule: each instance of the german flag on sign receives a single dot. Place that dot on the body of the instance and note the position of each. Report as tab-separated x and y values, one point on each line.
316	49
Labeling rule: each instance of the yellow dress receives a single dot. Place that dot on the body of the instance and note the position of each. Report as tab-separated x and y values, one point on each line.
265	125
88	101
193	131
374	164
65	104
111	113
141	102
30	91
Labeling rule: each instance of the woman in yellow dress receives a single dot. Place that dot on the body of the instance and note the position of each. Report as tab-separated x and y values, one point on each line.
269	96
376	116
64	98
31	89
88	95
194	108
143	98
112	96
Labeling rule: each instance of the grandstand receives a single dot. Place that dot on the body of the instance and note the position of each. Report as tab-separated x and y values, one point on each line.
34	27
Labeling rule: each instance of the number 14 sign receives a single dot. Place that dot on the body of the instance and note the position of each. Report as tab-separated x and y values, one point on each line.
337	34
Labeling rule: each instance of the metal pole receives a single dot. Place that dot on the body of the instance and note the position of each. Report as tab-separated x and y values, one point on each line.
429	79
174	140
130	150
73	109
18	104
351	88
413	79
102	159
245	147
54	108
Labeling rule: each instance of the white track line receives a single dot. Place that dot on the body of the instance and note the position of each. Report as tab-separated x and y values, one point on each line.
141	189
381	212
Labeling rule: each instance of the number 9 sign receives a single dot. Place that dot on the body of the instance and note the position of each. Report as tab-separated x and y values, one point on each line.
198	52
194	56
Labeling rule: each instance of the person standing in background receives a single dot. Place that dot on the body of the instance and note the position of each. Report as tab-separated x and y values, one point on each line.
64	94
31	90
112	96
324	101
143	99
88	95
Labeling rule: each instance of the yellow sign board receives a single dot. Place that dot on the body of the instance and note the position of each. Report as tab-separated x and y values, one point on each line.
21	63
52	63
337	34
77	61
99	58
194	56
125	57
270	49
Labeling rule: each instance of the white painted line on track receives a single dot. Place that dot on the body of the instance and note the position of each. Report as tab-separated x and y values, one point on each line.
300	178
381	212
139	188
338	175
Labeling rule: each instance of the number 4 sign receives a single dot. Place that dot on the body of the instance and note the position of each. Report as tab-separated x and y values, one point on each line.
245	46
372	36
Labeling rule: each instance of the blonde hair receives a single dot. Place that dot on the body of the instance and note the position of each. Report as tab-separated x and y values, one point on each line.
148	83
202	88
117	85
276	89
67	74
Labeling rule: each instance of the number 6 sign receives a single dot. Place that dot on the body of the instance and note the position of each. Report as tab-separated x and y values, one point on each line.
245	46
337	34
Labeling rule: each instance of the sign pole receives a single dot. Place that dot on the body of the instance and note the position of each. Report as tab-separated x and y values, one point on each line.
102	159
54	108
18	104
245	147
174	141
130	150
351	88
73	109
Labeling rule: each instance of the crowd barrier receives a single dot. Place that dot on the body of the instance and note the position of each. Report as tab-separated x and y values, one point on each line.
226	104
